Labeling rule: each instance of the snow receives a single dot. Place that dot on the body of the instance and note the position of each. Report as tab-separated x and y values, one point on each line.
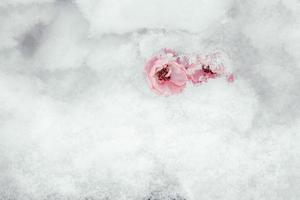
78	121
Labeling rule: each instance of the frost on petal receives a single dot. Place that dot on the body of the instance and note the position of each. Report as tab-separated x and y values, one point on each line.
170	52
184	60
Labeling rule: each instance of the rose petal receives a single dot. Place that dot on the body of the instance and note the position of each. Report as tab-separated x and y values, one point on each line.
175	88
196	76
178	74
150	64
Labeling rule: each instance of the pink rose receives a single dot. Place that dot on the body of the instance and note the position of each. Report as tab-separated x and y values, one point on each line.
167	72
165	75
206	67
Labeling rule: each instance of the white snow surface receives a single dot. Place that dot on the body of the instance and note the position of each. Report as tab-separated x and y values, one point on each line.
78	120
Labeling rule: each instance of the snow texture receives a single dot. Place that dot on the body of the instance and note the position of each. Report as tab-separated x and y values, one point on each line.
78	121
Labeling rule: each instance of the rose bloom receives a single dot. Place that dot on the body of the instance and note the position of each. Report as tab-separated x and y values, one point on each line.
165	75
206	67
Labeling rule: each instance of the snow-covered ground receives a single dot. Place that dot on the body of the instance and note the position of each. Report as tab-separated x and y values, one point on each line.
78	121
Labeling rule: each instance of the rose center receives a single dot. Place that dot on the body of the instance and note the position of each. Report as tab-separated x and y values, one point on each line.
162	74
207	69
